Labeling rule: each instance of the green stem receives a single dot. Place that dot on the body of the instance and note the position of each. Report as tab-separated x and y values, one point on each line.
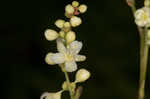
143	64
68	81
144	49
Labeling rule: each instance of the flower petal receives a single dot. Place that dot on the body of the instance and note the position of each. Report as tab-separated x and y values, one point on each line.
75	47
70	66
47	95
58	58
79	58
44	95
60	46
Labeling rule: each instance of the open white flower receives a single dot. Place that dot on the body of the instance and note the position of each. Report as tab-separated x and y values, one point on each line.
69	56
142	16
47	95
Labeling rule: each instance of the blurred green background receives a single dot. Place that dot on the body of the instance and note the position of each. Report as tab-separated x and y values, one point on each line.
111	44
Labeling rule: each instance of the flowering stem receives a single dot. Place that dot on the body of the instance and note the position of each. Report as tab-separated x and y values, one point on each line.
68	82
144	49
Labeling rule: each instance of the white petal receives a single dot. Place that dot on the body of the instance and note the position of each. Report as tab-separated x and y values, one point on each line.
60	46
44	95
58	58
79	58
75	47
70	66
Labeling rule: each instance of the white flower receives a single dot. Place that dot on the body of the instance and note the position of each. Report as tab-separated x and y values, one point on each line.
142	16
75	21
47	95
51	34
69	56
59	23
69	9
82	8
82	75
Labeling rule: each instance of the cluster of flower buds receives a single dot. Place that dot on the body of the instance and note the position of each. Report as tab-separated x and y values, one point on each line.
68	48
142	15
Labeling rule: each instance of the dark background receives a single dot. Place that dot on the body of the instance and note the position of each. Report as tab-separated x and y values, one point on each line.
111	44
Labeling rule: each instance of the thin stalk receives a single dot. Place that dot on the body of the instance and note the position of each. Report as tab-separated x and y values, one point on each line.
143	65
68	81
144	49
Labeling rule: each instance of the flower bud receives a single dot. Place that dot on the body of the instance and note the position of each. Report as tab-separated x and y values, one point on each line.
82	8
51	34
59	23
68	15
67	25
62	34
69	9
75	3
75	21
70	37
64	86
48	59
82	75
147	3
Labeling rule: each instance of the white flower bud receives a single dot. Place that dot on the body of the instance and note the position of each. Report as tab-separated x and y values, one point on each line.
70	37
82	8
51	34
147	3
82	75
59	23
67	15
48	59
69	9
75	21
67	25
62	34
75	3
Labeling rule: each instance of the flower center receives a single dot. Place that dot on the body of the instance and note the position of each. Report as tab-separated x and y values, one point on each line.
144	16
68	57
